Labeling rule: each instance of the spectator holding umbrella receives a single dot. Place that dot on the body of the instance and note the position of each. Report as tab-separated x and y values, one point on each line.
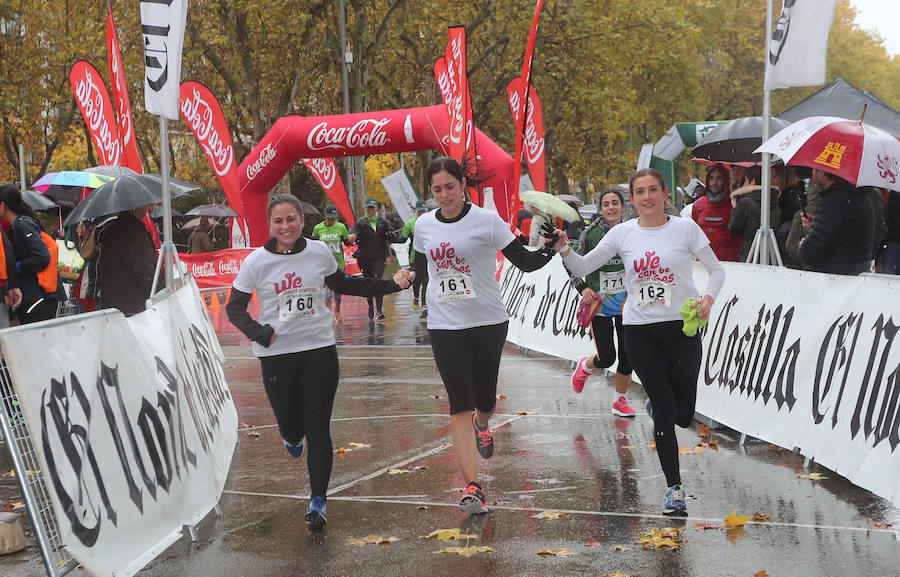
127	262
199	241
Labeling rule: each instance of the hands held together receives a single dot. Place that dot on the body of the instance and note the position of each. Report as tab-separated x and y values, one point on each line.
404	278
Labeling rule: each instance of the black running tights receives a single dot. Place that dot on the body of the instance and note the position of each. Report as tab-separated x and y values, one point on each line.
301	388
667	362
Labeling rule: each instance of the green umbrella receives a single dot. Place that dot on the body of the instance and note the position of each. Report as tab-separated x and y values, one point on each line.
549	204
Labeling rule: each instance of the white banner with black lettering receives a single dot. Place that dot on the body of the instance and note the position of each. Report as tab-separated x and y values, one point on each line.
162	24
799	45
133	423
402	191
794	358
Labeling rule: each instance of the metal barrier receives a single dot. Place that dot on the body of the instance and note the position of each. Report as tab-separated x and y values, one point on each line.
35	493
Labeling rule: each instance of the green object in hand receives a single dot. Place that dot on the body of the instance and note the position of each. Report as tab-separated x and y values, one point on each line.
692	322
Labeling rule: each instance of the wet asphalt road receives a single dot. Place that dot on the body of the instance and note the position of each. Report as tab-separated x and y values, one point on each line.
555	451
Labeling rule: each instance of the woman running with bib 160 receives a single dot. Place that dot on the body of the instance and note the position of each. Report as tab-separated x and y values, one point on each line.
294	339
658	251
467	319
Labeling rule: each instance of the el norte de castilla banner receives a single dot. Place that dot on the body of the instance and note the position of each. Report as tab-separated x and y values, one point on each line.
798	359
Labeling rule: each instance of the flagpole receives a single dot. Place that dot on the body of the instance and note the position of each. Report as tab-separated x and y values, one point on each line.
168	248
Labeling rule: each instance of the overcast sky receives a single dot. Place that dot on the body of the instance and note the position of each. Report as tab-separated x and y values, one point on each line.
882	16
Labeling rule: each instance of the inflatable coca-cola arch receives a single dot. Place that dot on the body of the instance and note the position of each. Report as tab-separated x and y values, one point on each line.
297	137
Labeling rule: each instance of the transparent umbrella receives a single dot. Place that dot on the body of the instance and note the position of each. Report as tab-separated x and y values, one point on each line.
124	193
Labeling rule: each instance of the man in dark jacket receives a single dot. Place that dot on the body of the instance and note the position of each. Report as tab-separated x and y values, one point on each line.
842	231
747	206
372	234
127	263
892	218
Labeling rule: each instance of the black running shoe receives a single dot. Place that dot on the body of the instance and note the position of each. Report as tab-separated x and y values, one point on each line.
484	439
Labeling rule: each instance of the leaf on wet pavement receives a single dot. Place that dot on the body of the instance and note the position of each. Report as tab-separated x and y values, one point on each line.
762	573
735	520
621	548
629	447
501	396
550	515
551	481
448	534
661	537
704	526
243	426
653	444
398	471
761	516
594	543
18	505
616	574
354	446
704	432
555	553
254	434
685	451
340	451
466	551
523	413
877	525
373	540
813	476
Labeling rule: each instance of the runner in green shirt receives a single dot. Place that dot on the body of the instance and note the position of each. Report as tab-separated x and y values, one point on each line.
420	282
333	234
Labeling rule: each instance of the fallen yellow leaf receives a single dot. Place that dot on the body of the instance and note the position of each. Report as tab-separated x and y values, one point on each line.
621	548
550	515
466	551
594	543
523	413
877	524
447	534
340	450
734	520
665	537
761	516
629	447
653	444
501	396
762	573
704	432
373	540
813	476
360	446
616	574
398	471
555	552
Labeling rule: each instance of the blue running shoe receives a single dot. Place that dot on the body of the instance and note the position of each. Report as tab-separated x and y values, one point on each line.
315	513
295	450
675	502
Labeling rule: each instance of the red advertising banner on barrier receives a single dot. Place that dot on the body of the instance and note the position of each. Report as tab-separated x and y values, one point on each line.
515	203
215	269
96	109
130	155
325	171
534	131
202	112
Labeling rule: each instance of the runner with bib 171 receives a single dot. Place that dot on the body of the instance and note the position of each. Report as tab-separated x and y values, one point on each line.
467	319
659	251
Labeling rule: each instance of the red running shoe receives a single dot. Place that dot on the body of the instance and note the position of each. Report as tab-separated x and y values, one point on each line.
484	439
580	376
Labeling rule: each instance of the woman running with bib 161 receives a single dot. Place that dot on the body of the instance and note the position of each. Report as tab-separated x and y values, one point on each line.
658	252
467	319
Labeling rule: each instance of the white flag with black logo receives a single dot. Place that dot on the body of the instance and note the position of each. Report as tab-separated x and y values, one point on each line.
163	23
799	44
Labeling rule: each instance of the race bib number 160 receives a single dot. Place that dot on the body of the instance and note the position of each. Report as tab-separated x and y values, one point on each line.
297	303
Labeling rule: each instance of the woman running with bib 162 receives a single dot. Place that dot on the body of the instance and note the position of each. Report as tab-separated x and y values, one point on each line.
658	251
467	319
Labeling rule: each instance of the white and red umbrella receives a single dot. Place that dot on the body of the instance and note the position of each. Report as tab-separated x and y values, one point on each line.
857	152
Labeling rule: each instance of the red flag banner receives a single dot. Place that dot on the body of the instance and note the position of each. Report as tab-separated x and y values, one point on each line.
455	57
130	155
96	109
325	171
442	77
515	203
534	131
202	112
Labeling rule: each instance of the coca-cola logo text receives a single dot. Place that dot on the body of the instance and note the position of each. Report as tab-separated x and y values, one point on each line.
534	142
90	99
323	170
199	115
210	269
364	134
265	157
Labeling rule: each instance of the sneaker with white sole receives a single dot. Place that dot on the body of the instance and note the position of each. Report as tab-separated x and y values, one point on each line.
473	501
581	375
295	449
315	513
621	407
484	439
674	505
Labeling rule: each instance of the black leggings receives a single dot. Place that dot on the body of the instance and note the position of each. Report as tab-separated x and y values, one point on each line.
606	351
373	268
420	282
668	363
301	389
469	360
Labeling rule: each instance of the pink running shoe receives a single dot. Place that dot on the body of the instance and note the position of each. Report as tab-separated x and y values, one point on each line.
621	408
580	376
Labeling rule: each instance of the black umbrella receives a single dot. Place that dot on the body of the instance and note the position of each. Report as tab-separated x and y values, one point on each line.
735	141
37	201
217	210
178	187
124	193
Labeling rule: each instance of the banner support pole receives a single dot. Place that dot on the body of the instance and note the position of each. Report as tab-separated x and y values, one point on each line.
167	247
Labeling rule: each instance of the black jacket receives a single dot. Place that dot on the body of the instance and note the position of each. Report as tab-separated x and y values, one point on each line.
892	217
32	257
745	217
127	264
843	232
372	242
